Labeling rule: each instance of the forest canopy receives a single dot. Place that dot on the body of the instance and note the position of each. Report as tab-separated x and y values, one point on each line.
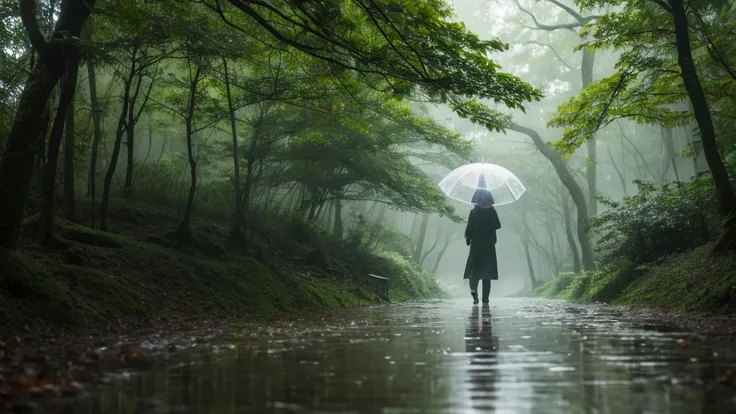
322	110
289	105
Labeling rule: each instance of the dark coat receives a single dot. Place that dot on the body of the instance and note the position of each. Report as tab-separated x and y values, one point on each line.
481	234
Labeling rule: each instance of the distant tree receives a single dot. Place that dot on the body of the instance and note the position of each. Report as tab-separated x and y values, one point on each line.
654	76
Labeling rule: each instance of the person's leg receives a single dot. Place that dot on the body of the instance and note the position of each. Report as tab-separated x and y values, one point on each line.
486	290
474	289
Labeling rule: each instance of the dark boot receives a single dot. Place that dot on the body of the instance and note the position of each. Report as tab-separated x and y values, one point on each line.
475	297
486	290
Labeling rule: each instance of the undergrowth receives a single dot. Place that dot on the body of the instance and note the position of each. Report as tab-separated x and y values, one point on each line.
138	275
692	281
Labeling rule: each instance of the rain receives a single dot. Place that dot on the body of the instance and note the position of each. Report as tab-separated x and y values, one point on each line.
367	206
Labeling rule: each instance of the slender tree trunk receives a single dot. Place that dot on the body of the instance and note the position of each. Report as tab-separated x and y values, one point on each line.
96	136
529	263
576	192
234	134
69	152
551	236
724	191
669	144
338	229
245	200
634	151
692	143
543	252
591	170
16	166
430	250
665	157
149	147
42	136
619	173
130	138
237	233
46	218
130	155
699	164
577	267
441	254
417	256
116	149
184	226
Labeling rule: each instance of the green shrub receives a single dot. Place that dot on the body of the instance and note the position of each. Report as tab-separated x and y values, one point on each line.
576	289
552	288
659	221
408	279
593	286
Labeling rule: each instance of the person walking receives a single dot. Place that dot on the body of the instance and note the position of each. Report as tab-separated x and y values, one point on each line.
480	235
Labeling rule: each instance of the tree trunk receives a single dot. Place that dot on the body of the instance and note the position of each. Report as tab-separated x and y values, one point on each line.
576	192
557	262
69	152
237	234
16	166
417	256
671	153
234	133
96	136
338	230
130	156
127	84
46	217
130	139
440	255
239	231
42	135
184	229
577	267
591	170
619	172
699	164
529	264
724	191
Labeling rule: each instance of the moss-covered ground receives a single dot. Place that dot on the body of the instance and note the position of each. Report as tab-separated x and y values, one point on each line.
696	281
138	275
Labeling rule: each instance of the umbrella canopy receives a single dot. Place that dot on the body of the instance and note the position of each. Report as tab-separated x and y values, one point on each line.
463	183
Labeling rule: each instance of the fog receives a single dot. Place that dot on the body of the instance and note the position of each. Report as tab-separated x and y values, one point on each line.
288	160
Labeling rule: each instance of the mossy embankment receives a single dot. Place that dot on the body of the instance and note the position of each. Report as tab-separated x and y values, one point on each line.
695	281
139	275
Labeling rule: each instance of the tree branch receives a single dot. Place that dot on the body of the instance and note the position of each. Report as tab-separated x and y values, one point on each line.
662	4
532	42
547	27
401	35
573	13
28	17
319	53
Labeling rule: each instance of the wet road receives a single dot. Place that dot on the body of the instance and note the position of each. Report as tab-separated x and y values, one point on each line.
516	356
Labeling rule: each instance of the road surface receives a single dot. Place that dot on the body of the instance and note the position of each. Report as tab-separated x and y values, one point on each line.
515	356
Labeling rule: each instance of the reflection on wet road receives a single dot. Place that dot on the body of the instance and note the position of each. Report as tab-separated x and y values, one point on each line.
516	356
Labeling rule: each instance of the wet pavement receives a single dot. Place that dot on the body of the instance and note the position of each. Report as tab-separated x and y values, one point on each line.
516	356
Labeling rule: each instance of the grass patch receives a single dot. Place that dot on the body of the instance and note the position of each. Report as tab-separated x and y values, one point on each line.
106	280
30	295
692	281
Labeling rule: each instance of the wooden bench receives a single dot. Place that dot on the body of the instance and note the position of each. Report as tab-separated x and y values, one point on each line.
379	285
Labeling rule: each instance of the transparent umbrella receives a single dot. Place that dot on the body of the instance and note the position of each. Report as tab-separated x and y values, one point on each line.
463	182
